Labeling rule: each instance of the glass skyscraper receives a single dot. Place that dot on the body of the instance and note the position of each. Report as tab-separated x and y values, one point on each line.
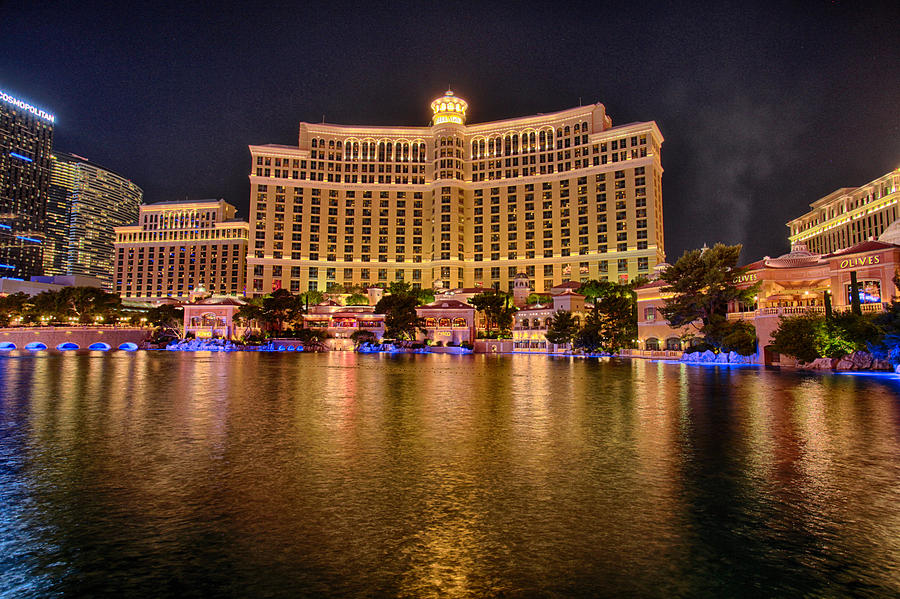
86	202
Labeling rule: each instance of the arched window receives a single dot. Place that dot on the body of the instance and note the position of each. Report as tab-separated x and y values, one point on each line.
339	145
415	152
567	131
584	127
443	322
652	344
515	144
543	140
481	149
531	141
673	344
577	127
459	323
314	142
381	151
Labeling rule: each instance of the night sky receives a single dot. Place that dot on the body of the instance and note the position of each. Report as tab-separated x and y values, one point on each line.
764	109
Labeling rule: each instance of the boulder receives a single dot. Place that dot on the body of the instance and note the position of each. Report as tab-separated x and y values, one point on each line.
736	358
722	358
897	368
844	364
861	360
707	356
881	365
818	364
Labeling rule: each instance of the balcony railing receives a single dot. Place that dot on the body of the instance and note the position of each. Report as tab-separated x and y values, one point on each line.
794	310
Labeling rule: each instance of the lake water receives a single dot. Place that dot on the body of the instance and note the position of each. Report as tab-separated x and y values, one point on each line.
158	474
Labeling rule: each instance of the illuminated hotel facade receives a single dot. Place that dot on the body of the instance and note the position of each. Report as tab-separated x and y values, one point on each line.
849	216
85	204
177	247
26	139
561	196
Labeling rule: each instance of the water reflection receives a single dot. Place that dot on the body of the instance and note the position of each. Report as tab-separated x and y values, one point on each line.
159	474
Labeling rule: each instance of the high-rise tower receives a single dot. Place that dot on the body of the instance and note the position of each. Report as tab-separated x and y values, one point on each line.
26	139
86	202
562	196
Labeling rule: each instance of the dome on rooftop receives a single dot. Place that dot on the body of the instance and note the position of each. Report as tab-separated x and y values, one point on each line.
449	108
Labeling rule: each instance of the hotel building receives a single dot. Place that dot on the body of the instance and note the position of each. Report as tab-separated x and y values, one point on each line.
177	247
560	196
26	138
85	204
792	284
849	216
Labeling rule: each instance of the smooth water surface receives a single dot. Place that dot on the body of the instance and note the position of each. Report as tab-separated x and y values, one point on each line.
162	474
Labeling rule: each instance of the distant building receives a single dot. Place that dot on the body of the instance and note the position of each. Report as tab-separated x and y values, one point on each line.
26	139
176	247
849	216
342	321
211	317
558	196
792	284
530	324
447	322
85	204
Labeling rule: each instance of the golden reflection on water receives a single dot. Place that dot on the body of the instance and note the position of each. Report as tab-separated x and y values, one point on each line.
453	476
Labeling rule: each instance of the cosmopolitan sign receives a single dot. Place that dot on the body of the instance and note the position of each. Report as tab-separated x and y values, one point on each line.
27	107
867	261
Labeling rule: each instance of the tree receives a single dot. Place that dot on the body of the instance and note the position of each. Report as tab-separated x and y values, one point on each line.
400	318
702	284
809	336
50	306
423	296
537	298
497	309
312	298
562	328
593	289
617	316
363	336
798	336
847	332
738	336
13	306
249	312
591	336
165	316
281	307
357	299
